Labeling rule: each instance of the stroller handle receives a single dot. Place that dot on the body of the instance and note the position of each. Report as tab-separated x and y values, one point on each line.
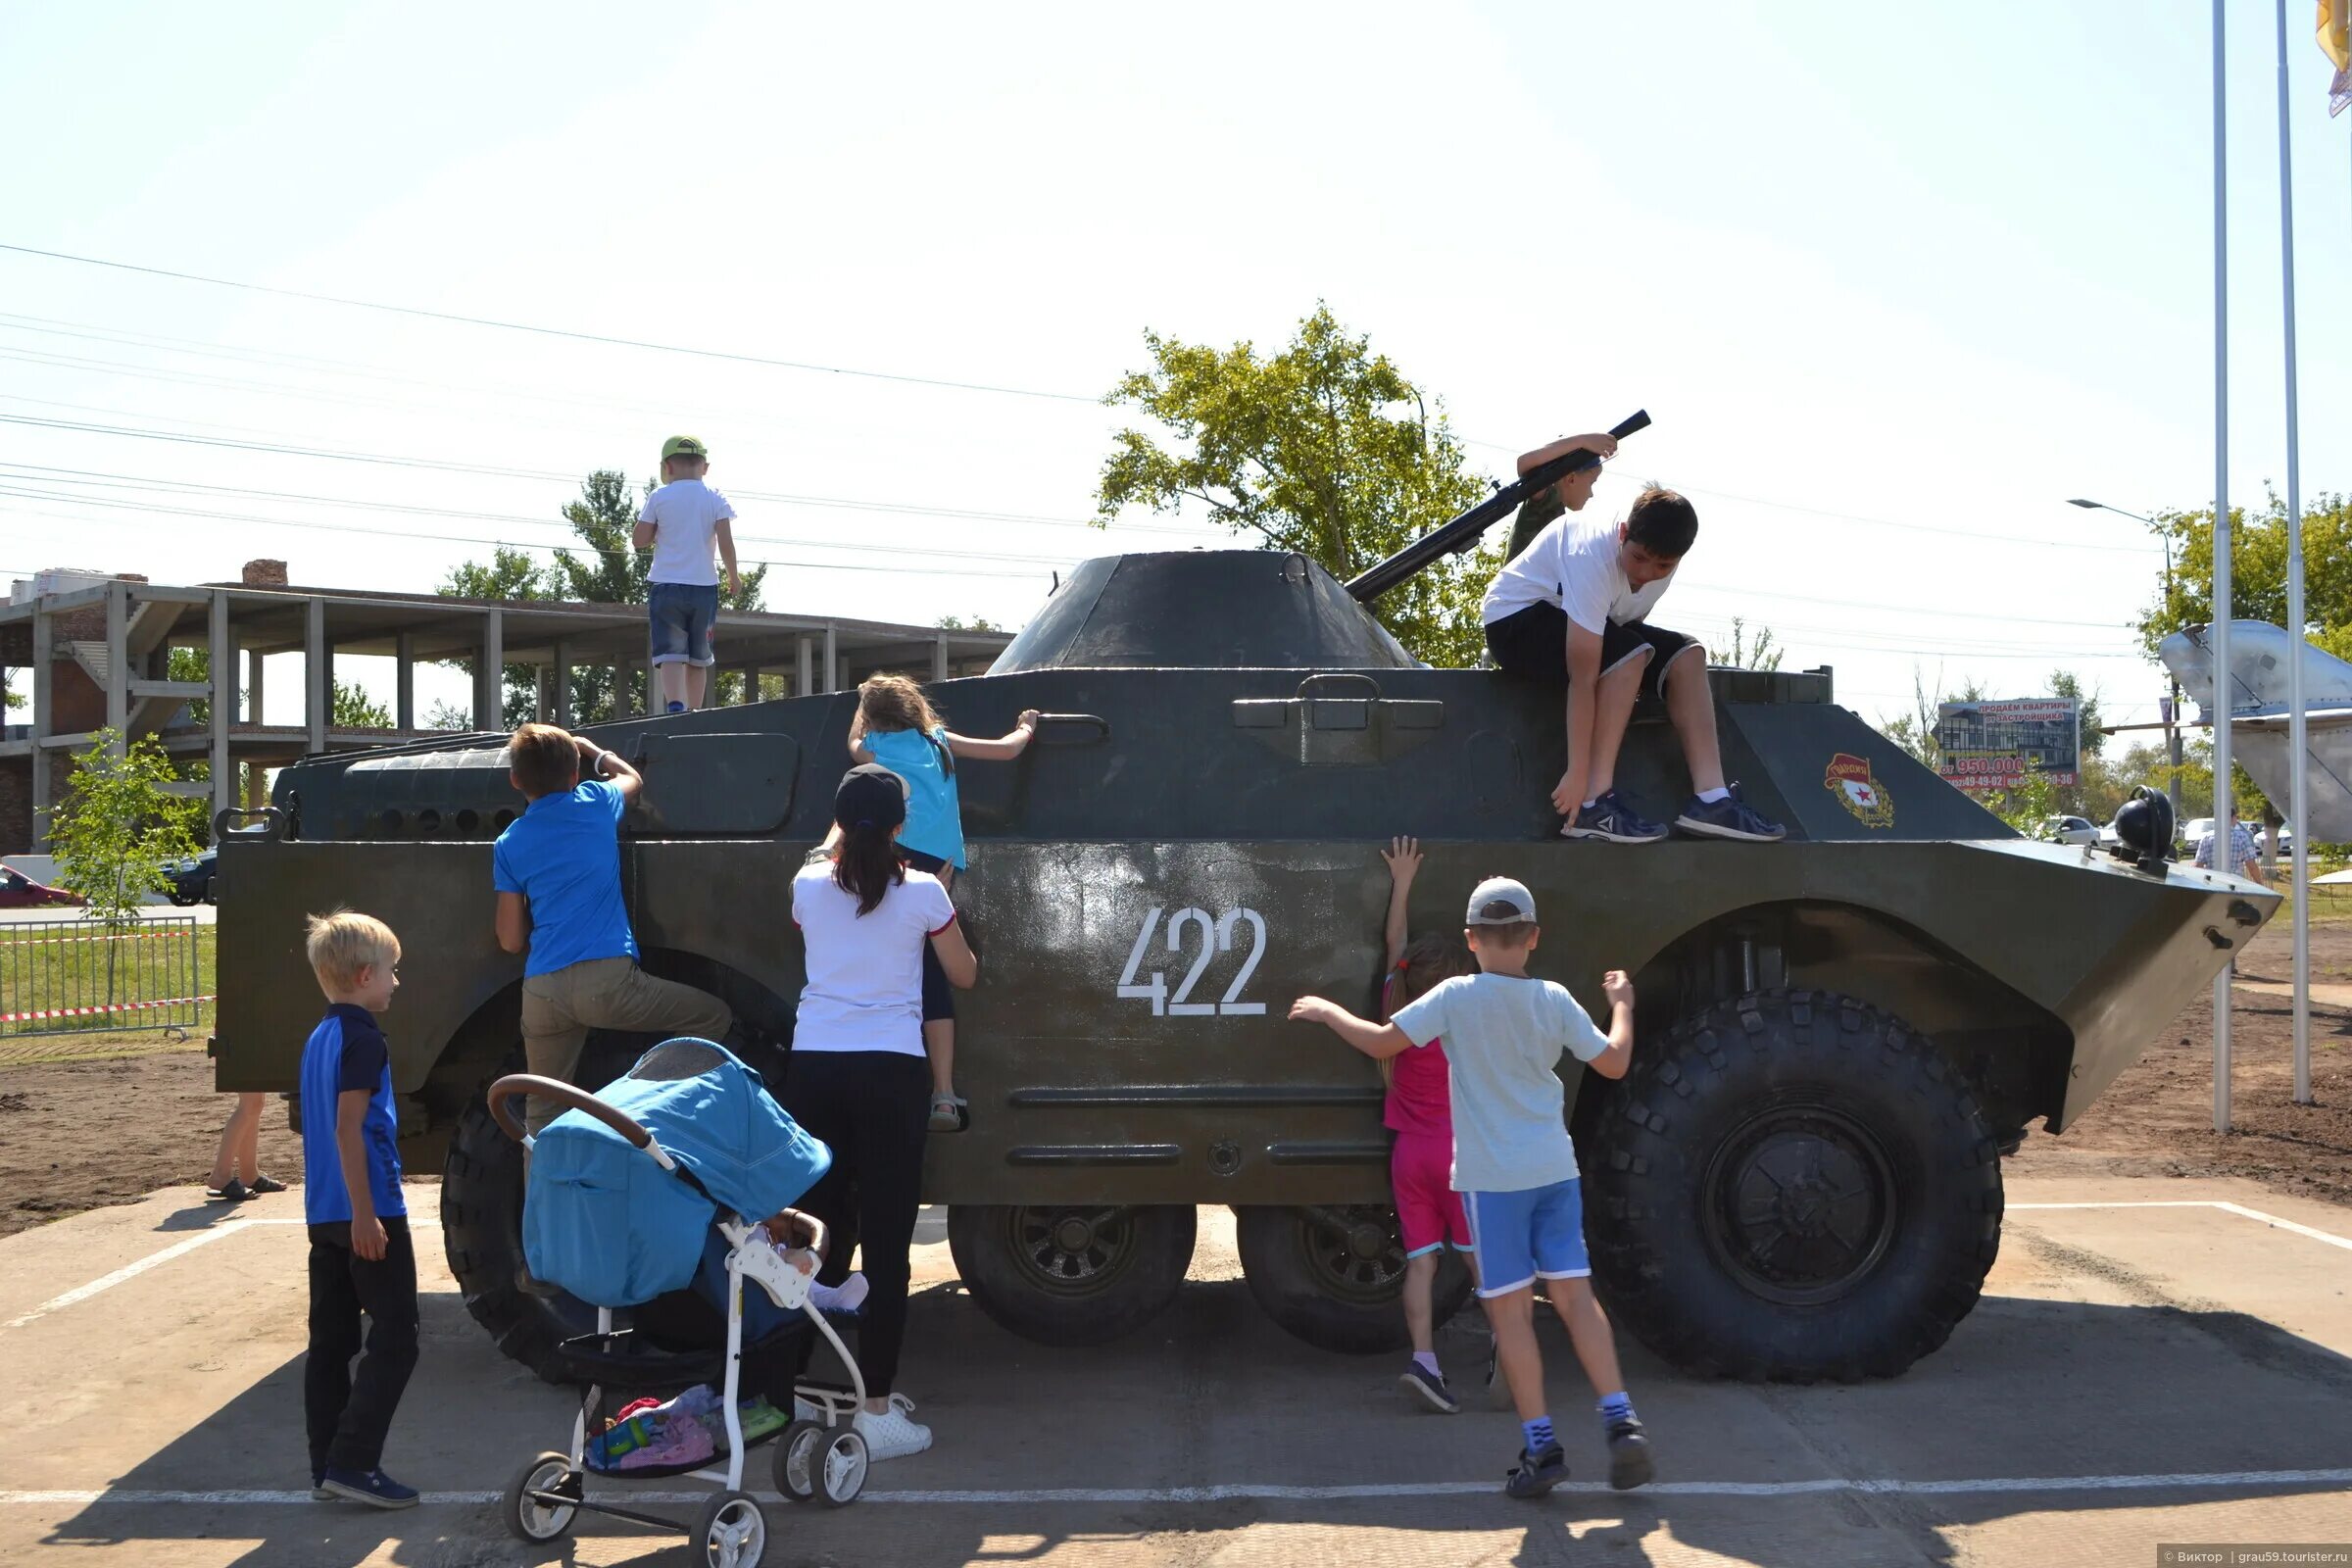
515	1085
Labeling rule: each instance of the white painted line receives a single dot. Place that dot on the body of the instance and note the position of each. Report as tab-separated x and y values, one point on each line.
1873	1486
128	1271
2238	1210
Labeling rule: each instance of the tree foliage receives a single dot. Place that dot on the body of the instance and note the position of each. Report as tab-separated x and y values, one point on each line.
2257	572
119	826
1763	651
612	571
1324	447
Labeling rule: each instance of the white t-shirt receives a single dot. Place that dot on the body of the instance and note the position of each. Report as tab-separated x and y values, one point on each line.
1504	1034
684	513
1576	563
865	972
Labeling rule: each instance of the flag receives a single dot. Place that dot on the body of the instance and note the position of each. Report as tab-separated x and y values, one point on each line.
2335	42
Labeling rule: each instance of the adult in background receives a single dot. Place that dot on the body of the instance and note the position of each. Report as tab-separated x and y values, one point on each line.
858	1077
2243	858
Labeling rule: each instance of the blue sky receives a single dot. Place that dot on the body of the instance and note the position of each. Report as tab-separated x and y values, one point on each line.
1893	282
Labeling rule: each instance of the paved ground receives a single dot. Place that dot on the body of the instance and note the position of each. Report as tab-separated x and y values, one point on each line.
2161	1367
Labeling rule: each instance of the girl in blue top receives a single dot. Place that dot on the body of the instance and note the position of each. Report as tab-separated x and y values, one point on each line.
898	728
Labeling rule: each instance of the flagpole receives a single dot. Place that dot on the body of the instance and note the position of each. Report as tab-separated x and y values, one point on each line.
2225	805
2298	731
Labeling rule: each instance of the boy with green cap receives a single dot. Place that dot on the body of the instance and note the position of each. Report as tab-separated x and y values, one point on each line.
681	520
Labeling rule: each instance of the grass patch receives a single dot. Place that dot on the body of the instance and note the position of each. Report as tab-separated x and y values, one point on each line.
81	965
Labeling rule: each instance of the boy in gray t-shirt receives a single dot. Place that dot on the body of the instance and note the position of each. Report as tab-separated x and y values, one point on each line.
1513	1163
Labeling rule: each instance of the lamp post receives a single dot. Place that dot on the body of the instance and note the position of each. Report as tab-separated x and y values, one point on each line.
2171	719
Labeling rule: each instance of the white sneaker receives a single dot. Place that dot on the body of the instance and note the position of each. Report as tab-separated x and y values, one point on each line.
892	1435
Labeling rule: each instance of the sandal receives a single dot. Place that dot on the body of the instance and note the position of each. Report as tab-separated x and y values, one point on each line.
950	1113
265	1184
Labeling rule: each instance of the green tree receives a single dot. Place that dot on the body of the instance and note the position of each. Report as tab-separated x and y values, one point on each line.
1324	447
119	826
1760	652
958	623
2257	571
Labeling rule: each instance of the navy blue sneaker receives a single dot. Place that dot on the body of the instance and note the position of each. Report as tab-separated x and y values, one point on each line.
1611	818
1629	1455
1730	817
1537	1473
1429	1388
370	1487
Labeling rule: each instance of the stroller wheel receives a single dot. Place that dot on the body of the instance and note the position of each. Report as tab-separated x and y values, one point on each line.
732	1529
841	1475
533	1518
797	1461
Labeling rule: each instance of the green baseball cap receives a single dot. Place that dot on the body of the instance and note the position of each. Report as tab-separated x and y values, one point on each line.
684	446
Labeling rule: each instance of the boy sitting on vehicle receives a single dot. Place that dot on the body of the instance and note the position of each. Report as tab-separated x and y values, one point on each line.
1572	609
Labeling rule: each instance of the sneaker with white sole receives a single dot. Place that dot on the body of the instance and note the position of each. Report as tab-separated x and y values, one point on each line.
1612	819
894	1432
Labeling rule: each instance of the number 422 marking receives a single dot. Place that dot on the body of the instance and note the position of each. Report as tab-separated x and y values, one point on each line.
1216	936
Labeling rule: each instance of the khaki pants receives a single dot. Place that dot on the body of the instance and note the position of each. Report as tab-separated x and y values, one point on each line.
560	1007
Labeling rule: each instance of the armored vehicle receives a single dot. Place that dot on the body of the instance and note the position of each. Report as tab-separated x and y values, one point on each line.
1799	1177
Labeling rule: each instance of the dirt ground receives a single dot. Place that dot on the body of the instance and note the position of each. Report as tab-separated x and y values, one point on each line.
77	1135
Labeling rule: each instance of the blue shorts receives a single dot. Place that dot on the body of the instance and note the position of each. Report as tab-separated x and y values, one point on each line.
681	614
1522	1236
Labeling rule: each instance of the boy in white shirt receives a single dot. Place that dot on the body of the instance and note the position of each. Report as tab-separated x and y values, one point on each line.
1513	1163
1573	608
682	520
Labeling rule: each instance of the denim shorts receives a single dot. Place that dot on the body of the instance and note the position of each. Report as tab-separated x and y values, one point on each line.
681	614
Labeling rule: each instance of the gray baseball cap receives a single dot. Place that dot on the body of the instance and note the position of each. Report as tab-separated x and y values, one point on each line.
1500	901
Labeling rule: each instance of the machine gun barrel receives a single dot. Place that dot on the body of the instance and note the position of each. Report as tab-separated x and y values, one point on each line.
1463	532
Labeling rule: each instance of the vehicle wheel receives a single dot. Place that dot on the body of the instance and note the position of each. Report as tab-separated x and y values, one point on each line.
730	1531
1791	1186
1082	1275
179	899
481	1231
841	1472
533	1520
1333	1276
797	1462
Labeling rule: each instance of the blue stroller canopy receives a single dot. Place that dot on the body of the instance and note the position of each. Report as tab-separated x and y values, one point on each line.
603	1220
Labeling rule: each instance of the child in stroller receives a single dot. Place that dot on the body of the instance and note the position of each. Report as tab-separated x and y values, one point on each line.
636	1199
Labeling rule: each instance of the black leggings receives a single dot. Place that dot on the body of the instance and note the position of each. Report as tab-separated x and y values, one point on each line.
347	1412
872	1108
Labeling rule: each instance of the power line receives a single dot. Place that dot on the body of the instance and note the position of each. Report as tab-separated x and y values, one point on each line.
604	339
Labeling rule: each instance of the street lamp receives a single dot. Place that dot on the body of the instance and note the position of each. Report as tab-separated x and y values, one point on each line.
2171	722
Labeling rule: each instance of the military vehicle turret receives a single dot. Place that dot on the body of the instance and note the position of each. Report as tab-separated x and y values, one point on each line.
1799	1178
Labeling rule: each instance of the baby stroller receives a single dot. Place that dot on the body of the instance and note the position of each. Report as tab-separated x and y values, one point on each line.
632	1200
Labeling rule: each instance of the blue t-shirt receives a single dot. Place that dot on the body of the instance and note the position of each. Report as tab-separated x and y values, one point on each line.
346	1051
934	811
564	854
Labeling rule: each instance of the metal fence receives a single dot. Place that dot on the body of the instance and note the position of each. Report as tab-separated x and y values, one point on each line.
72	977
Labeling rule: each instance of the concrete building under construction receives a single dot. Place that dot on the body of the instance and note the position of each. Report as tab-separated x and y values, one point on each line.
98	649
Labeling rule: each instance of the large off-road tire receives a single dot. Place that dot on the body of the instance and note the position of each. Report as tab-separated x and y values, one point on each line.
1072	1274
1333	1276
1788	1186
481	1230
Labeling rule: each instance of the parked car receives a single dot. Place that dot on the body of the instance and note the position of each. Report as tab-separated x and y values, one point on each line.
20	892
192	879
2069	830
2109	838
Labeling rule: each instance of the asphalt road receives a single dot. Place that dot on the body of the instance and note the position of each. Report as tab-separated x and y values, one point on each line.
2170	1363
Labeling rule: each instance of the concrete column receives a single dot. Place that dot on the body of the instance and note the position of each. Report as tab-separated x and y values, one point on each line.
117	661
489	672
939	656
404	682
253	687
805	673
562	657
224	671
43	650
750	682
318	676
832	659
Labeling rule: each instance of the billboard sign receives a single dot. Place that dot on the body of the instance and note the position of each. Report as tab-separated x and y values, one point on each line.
1994	746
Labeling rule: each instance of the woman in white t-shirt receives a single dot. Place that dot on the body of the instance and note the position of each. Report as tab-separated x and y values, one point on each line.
858	1077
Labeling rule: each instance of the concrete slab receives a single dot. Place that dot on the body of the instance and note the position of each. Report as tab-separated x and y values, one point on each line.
2134	1375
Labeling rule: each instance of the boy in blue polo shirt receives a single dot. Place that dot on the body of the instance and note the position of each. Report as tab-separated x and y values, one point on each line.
557	869
1513	1163
361	1260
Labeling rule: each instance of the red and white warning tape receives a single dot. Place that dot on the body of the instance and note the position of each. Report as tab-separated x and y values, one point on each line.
91	1012
181	932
